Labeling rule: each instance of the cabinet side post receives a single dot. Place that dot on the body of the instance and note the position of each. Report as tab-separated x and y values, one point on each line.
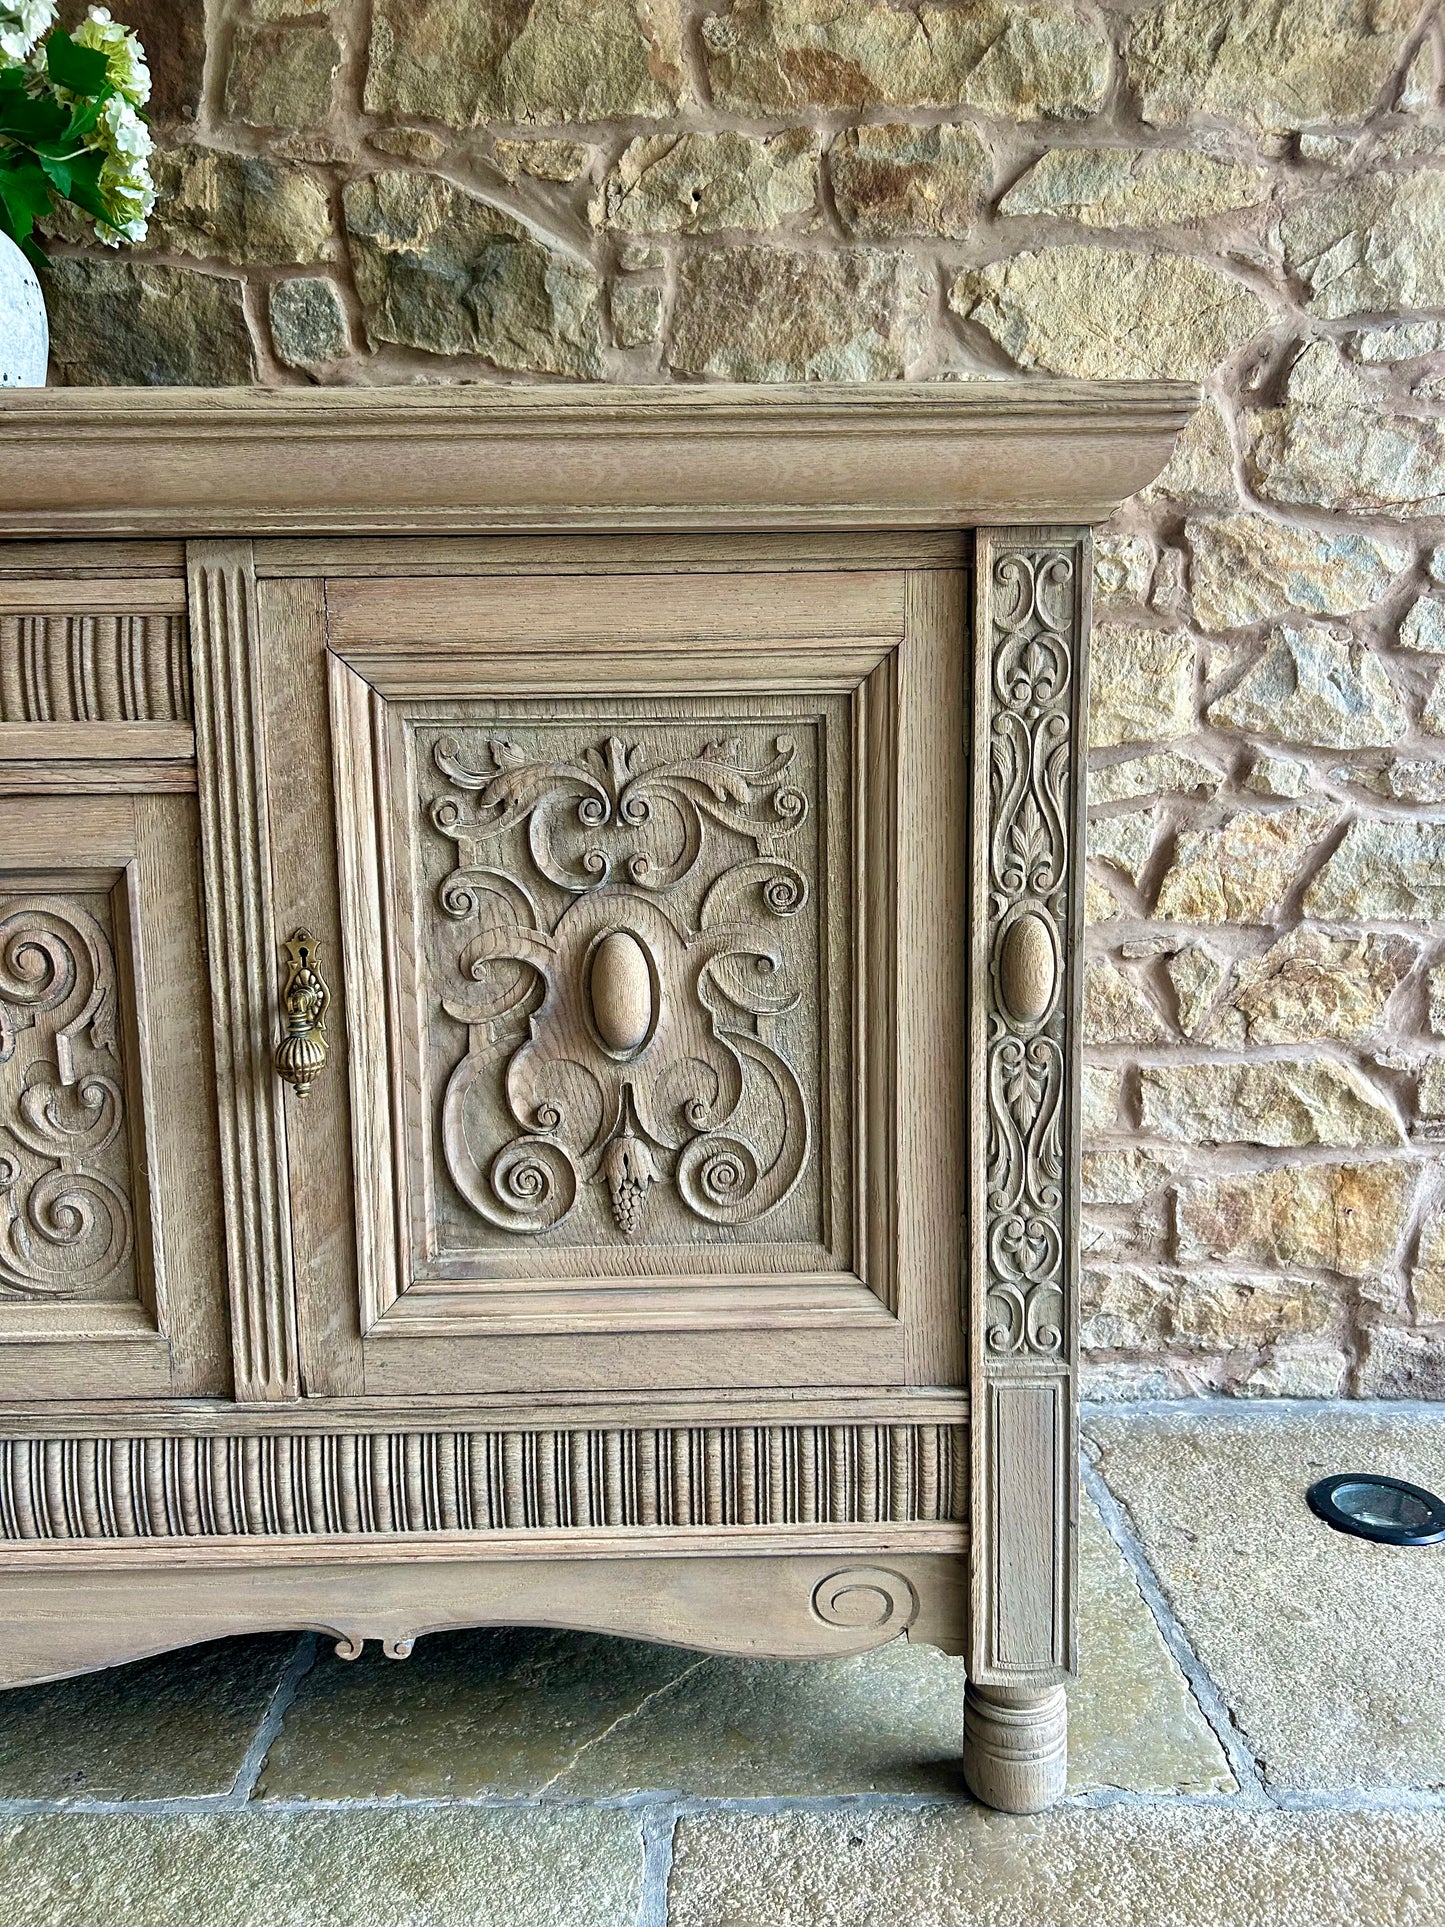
241	951
1031	619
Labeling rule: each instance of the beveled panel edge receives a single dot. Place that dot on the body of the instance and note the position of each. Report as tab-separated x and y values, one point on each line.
470	459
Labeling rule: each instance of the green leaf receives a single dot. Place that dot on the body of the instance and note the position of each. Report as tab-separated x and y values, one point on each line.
25	197
57	172
81	70
85	186
28	120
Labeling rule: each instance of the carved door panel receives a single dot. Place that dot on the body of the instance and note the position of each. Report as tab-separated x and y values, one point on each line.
641	888
109	1246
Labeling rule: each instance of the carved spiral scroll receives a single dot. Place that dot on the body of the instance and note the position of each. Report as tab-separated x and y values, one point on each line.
866	1599
66	1223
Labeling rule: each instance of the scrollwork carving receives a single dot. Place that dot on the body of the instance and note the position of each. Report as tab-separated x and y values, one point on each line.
630	1039
1032	656
66	1224
866	1599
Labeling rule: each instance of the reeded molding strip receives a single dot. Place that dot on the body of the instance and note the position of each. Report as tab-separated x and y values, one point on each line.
368	1484
82	668
241	948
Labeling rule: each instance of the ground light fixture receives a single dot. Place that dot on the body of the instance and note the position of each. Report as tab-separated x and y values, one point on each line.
1372	1506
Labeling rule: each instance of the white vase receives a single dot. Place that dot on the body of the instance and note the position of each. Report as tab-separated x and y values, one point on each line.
24	333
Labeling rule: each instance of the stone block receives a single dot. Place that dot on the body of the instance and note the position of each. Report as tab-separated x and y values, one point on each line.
1400	1363
1123	568
1099	1109
1334	443
1125	841
1317	688
700	183
281	76
1302	1367
1346	1218
543	160
1238	872
1131	1309
1024	59
1116	1010
771	314
175	1727
1247	569
1110	313
1309	987
899	179
1124	187
443	270
1134	1866
636	314
238	207
1276	65
1280	776
118	322
1200	470
1141	686
308	322
1424	626
463	62
174	37
442	1867
1328	1651
1427	1277
1165	773
1372	244
1385	871
1197	975
1284	1104
1123	1177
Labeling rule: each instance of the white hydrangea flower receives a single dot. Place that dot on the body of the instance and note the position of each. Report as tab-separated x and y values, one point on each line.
124	56
22	23
126	188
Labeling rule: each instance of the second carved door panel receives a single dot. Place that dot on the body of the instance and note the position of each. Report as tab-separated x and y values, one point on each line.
636	898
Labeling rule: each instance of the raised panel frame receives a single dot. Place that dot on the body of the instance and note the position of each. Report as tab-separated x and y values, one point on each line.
165	1335
382	638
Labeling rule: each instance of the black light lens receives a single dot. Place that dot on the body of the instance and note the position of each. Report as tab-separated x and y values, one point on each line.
1371	1506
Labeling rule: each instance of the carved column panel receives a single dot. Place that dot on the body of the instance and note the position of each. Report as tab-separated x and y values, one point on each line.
241	941
1032	615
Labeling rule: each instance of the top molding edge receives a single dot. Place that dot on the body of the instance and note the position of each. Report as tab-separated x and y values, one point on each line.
465	459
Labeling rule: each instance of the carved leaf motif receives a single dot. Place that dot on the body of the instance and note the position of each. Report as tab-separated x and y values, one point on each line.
1028	845
698	1098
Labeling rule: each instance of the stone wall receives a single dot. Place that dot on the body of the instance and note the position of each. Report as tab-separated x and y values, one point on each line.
1250	192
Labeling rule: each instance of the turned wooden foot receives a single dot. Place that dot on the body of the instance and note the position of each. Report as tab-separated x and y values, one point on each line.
1015	1747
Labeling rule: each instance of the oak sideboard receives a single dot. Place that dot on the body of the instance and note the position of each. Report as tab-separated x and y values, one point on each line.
538	1018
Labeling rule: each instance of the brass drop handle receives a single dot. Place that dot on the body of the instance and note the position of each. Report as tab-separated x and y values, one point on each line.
302	1052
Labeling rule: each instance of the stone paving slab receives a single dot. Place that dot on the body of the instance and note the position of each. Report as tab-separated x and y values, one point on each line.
1125	1866
448	1867
573	1715
1329	1651
164	1728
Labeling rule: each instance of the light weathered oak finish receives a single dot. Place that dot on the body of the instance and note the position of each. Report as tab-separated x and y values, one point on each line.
678	1236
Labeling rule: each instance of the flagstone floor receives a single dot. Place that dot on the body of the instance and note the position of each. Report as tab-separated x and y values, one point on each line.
1257	1736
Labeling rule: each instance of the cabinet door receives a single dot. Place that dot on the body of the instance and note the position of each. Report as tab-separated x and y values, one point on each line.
110	1275
637	895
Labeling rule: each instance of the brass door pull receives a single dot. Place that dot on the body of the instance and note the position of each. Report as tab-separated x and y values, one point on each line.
302	1052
